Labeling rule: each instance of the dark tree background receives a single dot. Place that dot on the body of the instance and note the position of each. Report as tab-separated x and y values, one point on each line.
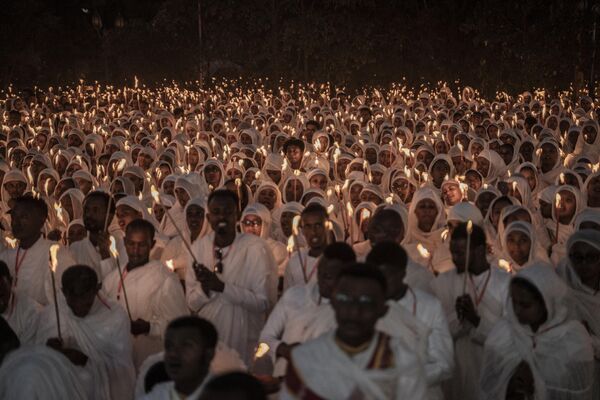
491	44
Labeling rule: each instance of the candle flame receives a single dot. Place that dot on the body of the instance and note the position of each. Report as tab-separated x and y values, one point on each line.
505	265
295	225
365	213
444	234
562	178
120	165
170	265
469	227
154	194
423	251
349	210
238	182
54	256
330	208
261	350
290	244
12	242
113	247
59	212
558	200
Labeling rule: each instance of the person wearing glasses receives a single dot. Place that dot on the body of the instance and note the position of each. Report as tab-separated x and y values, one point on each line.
256	220
355	361
233	280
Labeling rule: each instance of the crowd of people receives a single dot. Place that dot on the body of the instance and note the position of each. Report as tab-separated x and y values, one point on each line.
304	243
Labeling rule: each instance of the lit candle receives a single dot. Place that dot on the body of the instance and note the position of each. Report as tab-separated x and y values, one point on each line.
557	207
53	265
115	254
468	254
156	198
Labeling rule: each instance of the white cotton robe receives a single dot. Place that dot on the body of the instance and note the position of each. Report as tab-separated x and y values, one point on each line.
103	336
155	295
250	277
320	362
468	340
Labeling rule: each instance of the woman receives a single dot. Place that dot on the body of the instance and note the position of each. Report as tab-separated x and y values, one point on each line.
581	272
196	227
426	221
569	206
256	220
536	352
520	247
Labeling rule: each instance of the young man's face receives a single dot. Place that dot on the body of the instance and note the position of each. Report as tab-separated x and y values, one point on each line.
25	222
358	304
138	245
80	303
94	213
313	229
186	357
222	214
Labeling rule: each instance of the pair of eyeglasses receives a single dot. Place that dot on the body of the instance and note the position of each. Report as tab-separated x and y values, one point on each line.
219	264
249	223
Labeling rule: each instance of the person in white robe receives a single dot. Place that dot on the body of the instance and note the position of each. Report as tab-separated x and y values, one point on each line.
22	314
94	250
536	351
425	224
234	283
256	220
39	373
301	268
387	224
190	344
355	360
415	317
473	302
147	290
581	272
29	261
225	360
196	226
94	335
304	312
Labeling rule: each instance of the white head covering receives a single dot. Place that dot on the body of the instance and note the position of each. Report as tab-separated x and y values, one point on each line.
559	354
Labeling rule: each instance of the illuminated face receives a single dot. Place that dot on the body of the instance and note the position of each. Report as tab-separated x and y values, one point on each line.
318	181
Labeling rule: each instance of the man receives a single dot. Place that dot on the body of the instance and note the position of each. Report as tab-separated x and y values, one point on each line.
190	344
234	282
29	261
473	303
355	360
302	265
150	292
94	250
388	224
415	316
94	335
304	312
22	314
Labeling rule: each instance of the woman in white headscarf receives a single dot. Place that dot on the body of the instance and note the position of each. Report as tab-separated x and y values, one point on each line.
491	166
570	205
520	247
581	272
536	352
196	226
184	191
588	142
256	220
426	222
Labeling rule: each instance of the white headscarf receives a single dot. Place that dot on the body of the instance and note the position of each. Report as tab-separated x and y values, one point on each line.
559	354
414	235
